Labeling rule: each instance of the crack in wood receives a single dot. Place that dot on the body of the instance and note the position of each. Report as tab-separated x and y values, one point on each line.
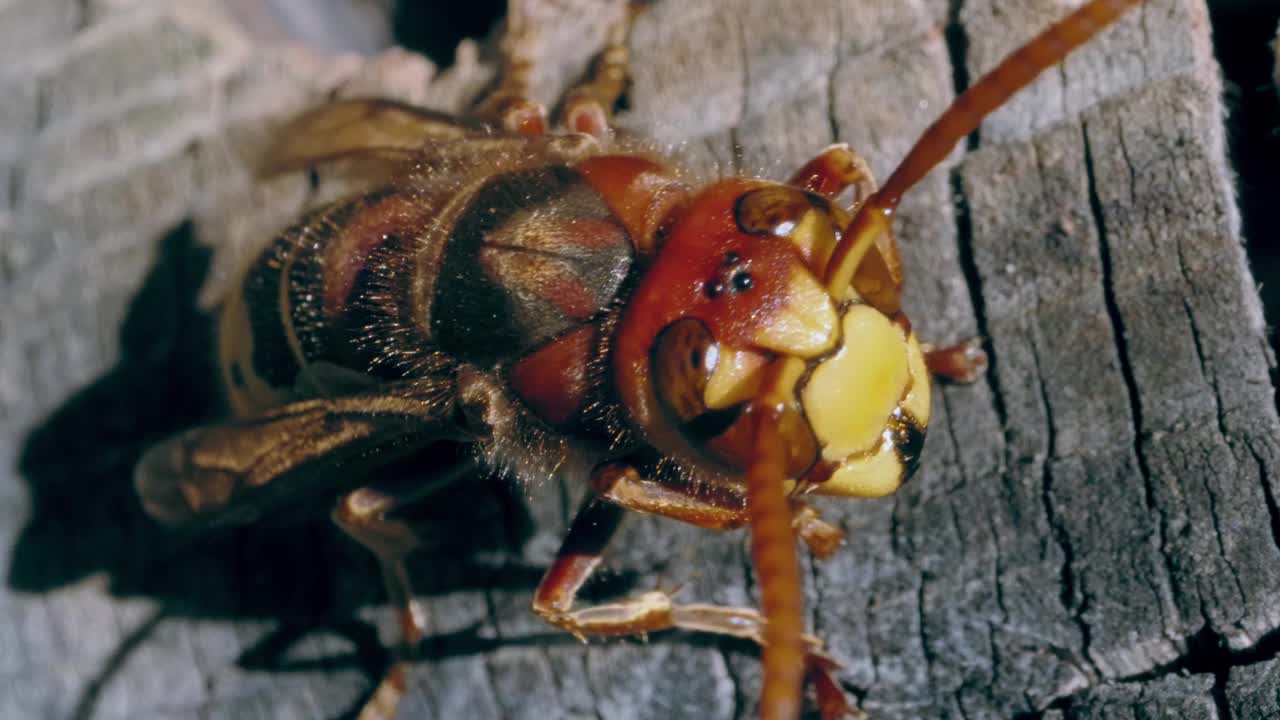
994	679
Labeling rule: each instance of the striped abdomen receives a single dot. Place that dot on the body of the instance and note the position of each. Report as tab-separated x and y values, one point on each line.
399	283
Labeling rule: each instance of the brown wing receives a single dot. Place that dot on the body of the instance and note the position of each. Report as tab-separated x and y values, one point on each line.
234	471
383	131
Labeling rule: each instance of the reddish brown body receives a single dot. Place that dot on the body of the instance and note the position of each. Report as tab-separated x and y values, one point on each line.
568	305
511	267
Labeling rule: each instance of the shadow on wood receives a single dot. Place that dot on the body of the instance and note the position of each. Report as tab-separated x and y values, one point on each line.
77	463
86	519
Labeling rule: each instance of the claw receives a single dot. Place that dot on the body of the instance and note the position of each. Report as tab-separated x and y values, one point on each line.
962	363
832	701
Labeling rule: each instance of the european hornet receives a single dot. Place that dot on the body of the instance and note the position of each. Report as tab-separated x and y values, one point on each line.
566	303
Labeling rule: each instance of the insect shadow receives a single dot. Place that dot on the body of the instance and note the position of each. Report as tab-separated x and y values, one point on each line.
295	569
435	29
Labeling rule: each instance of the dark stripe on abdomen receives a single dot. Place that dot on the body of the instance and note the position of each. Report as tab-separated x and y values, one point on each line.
272	358
534	254
285	336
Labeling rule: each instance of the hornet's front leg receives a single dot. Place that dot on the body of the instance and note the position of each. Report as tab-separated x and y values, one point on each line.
963	362
833	170
878	278
619	488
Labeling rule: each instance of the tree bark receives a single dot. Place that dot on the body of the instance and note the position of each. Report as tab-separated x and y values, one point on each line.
1093	531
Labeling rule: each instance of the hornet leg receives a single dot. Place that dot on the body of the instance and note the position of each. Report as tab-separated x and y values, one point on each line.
508	104
363	515
963	362
835	169
581	553
878	278
588	108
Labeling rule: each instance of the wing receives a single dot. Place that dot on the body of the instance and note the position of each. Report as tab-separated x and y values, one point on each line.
234	471
380	131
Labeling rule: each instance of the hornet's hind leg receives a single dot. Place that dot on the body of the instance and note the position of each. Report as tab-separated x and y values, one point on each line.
365	516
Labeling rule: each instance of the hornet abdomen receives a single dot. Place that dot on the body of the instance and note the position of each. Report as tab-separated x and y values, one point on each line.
396	284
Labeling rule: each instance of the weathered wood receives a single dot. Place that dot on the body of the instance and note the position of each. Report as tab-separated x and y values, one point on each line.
1092	519
1189	698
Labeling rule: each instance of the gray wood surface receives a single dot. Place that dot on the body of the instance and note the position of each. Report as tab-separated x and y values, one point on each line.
1093	532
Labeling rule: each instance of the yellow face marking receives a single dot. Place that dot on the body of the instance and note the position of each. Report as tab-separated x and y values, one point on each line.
789	371
869	476
806	325
917	401
849	397
735	380
816	238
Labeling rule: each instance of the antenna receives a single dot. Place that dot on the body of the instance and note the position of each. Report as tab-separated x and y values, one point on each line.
963	117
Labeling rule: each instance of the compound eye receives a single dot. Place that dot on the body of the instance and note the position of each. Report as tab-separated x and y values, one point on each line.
683	359
773	210
809	221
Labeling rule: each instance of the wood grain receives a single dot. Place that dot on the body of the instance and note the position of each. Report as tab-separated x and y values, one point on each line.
1093	532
